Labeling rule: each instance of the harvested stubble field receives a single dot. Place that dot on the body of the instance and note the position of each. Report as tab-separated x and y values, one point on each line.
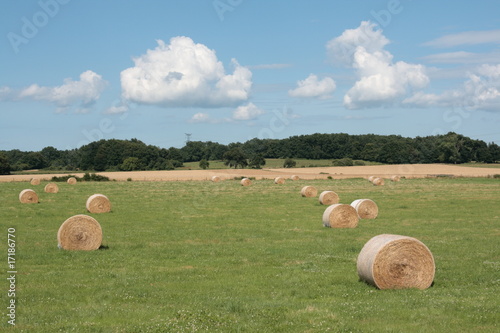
199	256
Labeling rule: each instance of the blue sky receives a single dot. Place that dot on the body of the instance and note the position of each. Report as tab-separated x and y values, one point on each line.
77	71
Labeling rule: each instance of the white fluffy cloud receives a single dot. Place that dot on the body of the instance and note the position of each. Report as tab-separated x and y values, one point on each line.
380	80
183	73
481	91
247	112
312	87
80	94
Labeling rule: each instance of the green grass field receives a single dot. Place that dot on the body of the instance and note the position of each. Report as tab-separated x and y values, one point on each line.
219	257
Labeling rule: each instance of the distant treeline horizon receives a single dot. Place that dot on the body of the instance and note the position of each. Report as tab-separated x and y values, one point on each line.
133	154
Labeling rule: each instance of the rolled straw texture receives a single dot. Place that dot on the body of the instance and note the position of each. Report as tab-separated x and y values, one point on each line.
245	182
35	181
366	208
395	178
28	196
378	181
340	216
71	180
371	178
294	177
215	179
309	191
328	198
279	180
396	262
51	188
98	203
80	232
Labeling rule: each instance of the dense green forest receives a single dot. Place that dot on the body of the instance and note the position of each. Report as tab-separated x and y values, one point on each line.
133	154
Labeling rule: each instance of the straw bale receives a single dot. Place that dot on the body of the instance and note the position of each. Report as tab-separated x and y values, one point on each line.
98	203
51	188
309	191
371	178
35	181
279	180
215	179
80	232
366	208
340	216
71	180
328	198
378	181
294	177
395	178
245	182
28	196
396	262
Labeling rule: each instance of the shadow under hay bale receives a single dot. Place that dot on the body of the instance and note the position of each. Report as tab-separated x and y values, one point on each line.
396	262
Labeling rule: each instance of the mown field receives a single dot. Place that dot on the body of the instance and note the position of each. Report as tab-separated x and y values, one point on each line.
198	256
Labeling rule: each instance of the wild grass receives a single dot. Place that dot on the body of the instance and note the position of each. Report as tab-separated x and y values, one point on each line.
220	257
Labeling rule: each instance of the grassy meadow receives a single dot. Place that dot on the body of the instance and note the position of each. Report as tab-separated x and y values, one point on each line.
218	257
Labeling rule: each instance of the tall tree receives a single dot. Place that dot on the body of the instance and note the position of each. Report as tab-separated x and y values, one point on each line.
4	164
235	157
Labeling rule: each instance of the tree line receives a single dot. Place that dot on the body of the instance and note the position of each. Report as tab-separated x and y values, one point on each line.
128	155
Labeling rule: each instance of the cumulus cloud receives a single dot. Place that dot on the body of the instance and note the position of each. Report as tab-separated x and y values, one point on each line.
247	112
81	94
201	117
312	87
481	91
184	74
380	81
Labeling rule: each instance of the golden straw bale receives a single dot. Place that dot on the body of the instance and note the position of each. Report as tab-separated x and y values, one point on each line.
340	216
328	198
98	203
80	232
51	188
28	196
366	208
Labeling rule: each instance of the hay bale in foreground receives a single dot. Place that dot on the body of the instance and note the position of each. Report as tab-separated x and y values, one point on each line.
245	182
328	198
366	208
396	262
309	191
215	179
35	181
395	178
294	177
98	203
28	196
51	188
378	181
340	216
279	180
80	232
71	180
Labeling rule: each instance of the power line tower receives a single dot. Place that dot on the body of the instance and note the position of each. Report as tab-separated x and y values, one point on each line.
188	137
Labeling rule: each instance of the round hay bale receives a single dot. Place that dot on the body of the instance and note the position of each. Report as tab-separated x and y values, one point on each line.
71	180
328	198
371	178
51	188
366	208
378	181
340	216
28	196
396	262
309	191
395	178
80	232
35	181
294	177
98	203
215	179
279	180
245	182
